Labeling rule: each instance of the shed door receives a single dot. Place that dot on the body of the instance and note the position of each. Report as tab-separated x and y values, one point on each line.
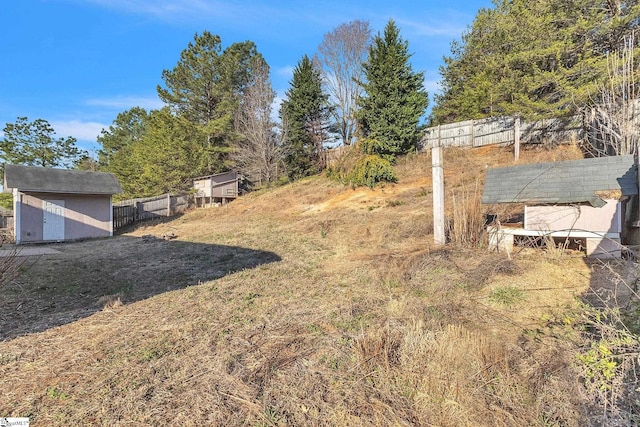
53	220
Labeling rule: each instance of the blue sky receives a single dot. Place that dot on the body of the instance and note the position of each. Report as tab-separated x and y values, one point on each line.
78	63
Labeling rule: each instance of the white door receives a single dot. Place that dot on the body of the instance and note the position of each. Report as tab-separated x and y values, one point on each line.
53	220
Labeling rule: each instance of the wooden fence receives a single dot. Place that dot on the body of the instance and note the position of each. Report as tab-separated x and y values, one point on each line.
128	212
493	131
331	155
6	218
502	130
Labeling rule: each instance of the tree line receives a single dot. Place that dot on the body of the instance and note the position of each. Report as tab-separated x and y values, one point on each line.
218	115
538	59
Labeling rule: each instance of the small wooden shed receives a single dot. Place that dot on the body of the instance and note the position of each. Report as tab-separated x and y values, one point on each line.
216	189
593	200
53	205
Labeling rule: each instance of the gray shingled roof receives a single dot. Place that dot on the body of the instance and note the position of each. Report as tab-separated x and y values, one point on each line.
574	181
47	180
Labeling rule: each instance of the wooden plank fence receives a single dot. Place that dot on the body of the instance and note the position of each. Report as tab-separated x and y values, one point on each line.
502	130
6	218
494	131
331	155
127	212
598	130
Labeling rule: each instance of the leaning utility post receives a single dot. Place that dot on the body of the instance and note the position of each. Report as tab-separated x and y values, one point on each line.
437	173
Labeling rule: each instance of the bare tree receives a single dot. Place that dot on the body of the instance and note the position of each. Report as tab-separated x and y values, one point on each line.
613	122
258	154
340	56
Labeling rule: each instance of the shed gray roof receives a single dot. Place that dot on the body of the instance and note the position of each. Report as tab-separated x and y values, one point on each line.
48	180
574	181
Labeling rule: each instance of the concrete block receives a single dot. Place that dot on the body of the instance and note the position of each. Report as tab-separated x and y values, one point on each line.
500	241
604	248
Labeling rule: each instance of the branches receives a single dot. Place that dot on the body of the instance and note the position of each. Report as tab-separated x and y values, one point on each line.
340	56
257	154
613	121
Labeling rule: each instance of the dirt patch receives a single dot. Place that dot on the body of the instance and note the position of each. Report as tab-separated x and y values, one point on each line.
26	251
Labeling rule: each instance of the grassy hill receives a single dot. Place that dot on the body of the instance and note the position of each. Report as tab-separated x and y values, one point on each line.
307	304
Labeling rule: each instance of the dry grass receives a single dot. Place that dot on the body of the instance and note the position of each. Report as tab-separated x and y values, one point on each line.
348	316
467	225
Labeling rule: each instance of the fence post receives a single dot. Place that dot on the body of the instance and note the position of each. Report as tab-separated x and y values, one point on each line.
439	237
473	137
168	204
516	138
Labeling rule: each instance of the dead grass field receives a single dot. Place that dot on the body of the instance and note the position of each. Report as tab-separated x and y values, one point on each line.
309	304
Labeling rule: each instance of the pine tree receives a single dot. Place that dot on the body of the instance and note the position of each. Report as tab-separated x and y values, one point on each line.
35	144
118	142
152	152
394	98
204	87
543	58
167	157
305	115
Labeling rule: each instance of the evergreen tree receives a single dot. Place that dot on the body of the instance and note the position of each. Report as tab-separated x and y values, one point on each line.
152	152
86	163
543	58
305	115
118	143
34	144
394	98
468	87
162	150
165	157
204	87
126	130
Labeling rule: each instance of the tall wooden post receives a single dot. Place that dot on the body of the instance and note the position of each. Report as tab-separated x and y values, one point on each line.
210	191
472	134
437	172
516	139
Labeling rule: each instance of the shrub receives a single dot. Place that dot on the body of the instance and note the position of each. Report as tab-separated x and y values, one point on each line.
339	168
357	169
375	147
371	146
370	170
6	200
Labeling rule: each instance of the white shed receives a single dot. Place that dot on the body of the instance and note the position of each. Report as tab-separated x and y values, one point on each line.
53	205
595	200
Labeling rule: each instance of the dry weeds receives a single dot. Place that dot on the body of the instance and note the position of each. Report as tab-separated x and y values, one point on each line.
343	314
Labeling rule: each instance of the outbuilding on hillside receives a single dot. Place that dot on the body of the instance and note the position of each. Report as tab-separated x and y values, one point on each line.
219	188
